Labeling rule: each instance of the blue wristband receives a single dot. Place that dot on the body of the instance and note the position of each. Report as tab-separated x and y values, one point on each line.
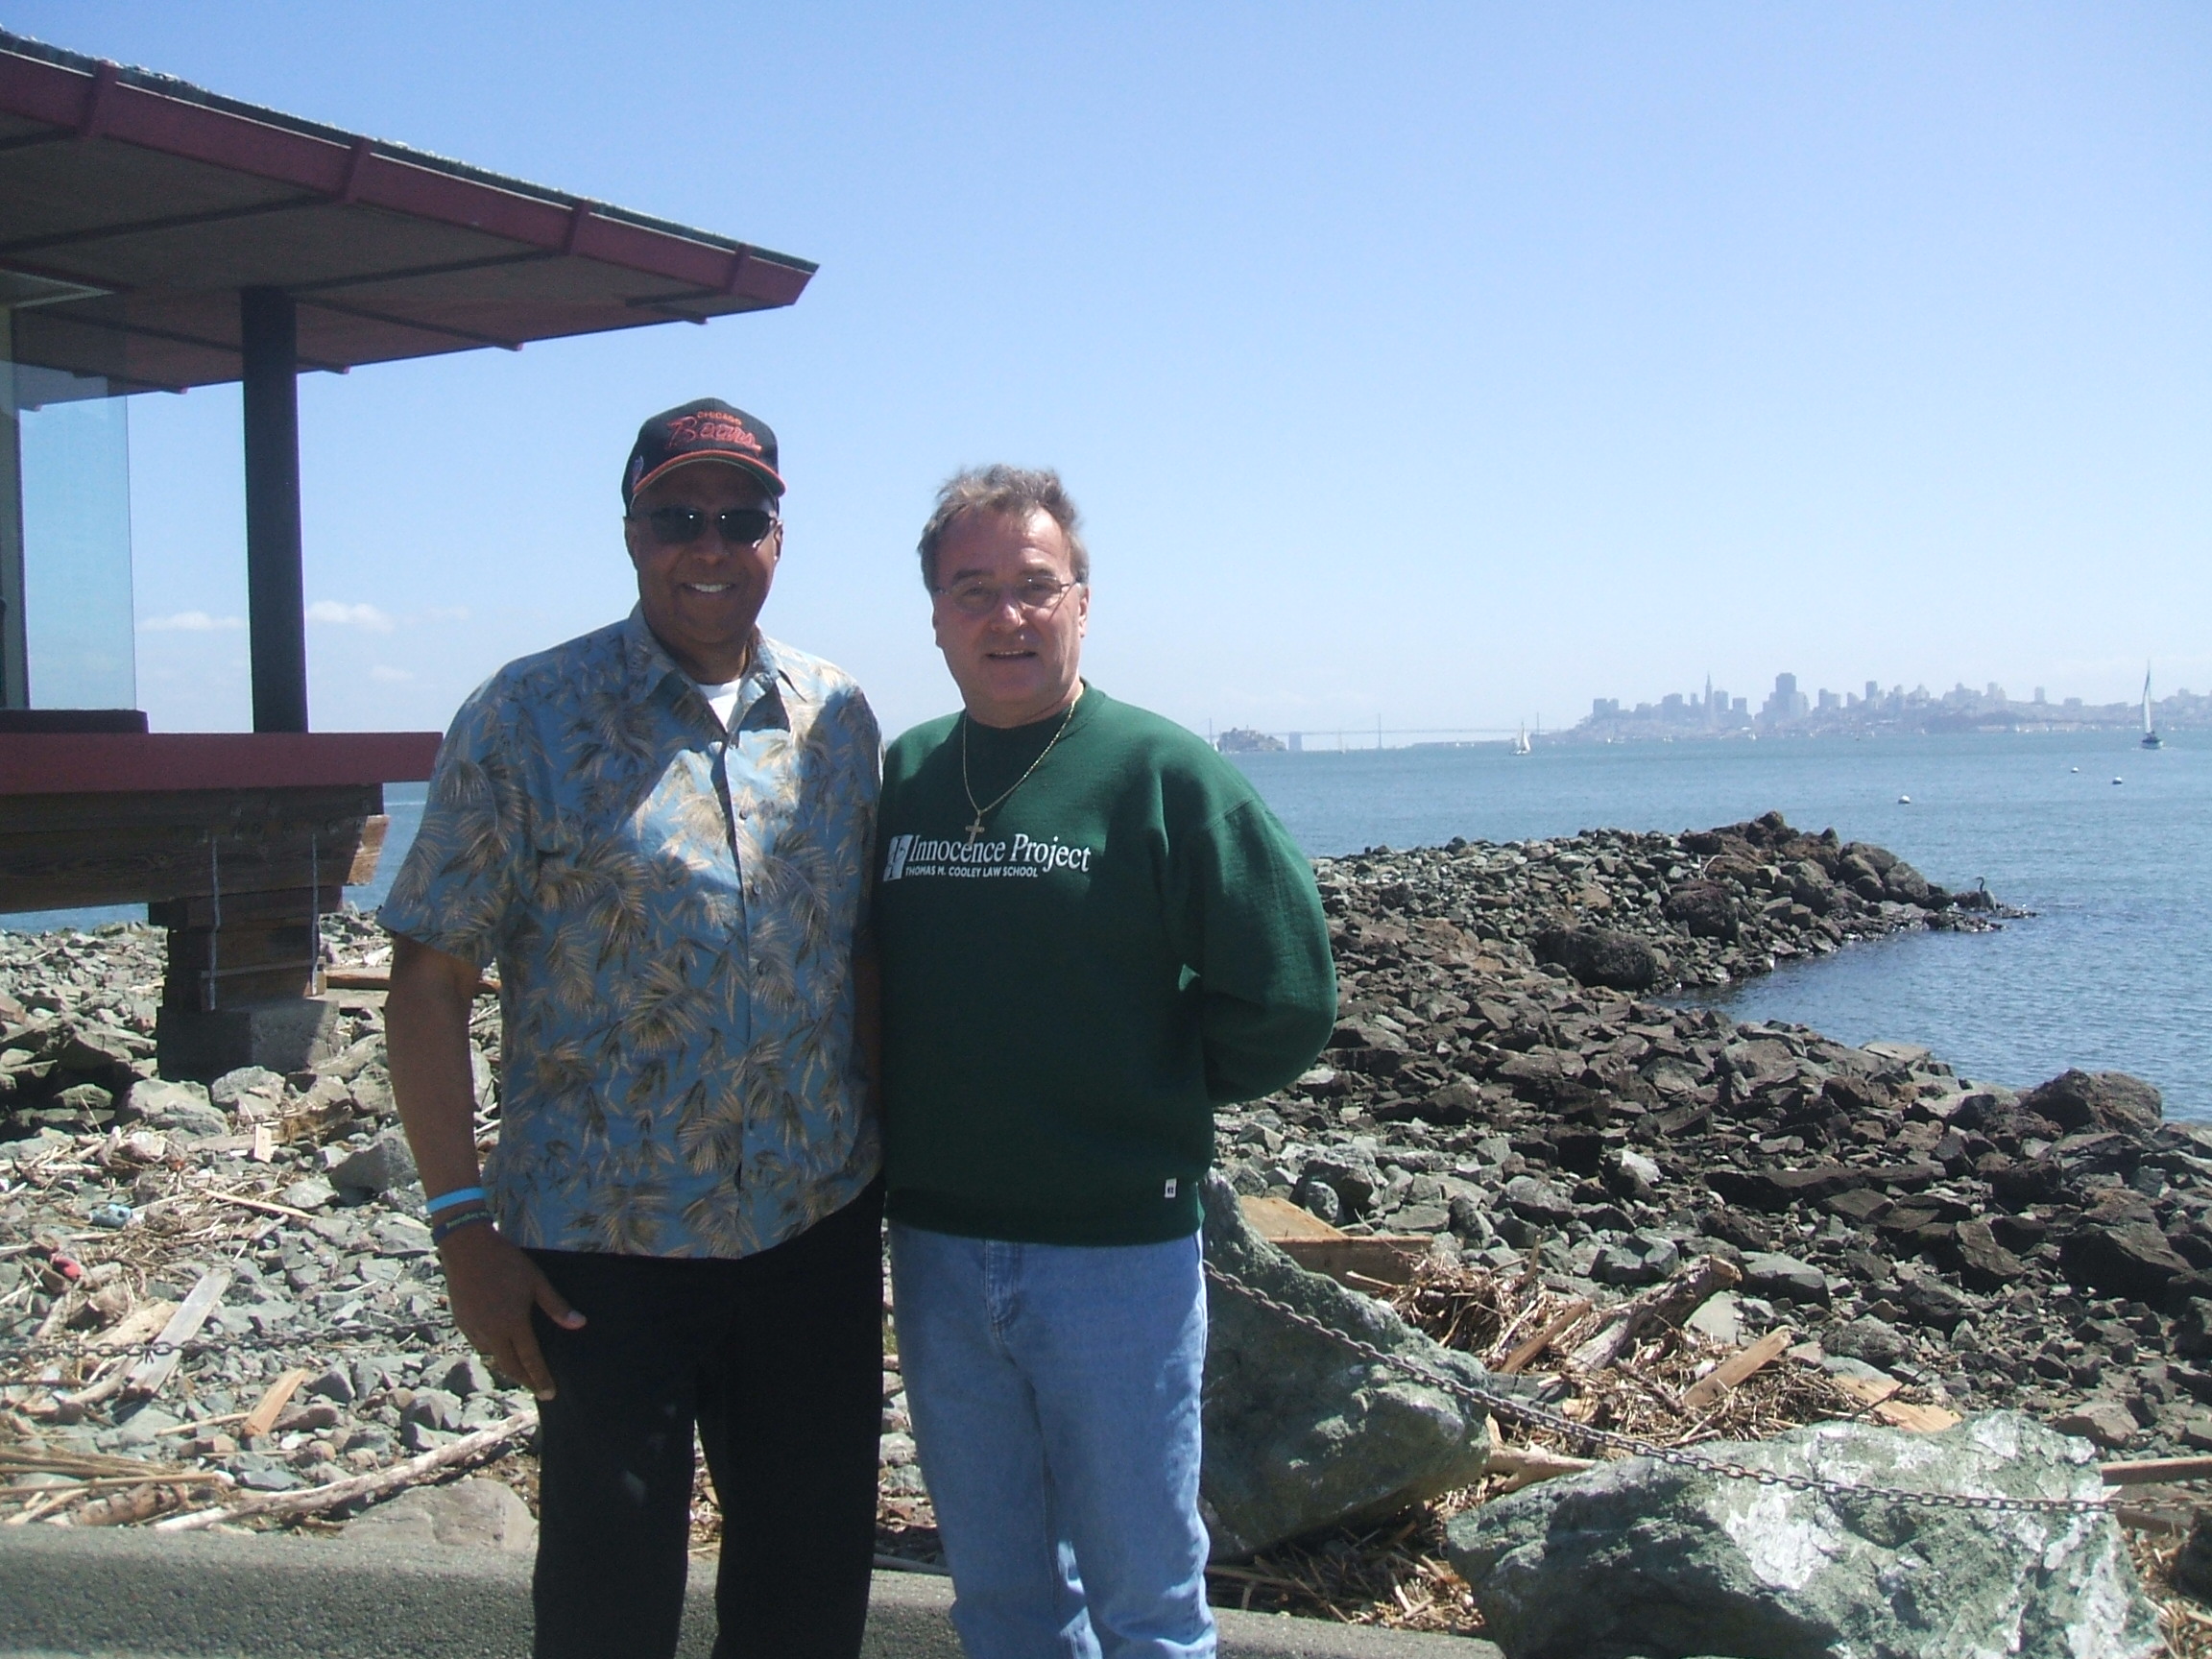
447	1200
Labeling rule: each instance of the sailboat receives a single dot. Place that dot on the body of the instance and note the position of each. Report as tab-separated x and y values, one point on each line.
1521	743
2151	737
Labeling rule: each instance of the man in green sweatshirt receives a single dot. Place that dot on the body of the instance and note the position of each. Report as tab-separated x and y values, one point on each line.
1093	933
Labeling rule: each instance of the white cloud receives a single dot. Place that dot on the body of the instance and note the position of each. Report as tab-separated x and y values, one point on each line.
390	675
189	622
339	614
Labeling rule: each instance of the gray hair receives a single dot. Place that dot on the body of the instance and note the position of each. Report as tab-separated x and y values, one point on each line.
1018	491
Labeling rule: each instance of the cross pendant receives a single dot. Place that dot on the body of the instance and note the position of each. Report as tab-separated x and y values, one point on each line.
976	829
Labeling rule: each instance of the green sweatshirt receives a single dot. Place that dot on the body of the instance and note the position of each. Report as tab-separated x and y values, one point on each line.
1131	942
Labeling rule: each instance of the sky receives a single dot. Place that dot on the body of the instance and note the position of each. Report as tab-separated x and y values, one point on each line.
1424	367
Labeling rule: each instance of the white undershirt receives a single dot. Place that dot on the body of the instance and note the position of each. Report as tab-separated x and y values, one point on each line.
722	698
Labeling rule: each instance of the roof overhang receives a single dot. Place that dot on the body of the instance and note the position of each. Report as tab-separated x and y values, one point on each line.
134	208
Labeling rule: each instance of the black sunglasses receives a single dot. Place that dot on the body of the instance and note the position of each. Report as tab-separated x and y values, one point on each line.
741	526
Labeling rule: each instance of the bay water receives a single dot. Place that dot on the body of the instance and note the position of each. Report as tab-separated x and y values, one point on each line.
2109	845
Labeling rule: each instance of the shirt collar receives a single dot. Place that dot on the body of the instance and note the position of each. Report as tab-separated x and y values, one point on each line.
649	667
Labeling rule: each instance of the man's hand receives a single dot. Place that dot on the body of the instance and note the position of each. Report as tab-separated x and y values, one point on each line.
493	1287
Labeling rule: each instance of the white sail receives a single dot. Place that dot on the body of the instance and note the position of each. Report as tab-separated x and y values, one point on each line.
2146	699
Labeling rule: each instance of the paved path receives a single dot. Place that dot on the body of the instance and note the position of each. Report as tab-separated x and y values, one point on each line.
128	1593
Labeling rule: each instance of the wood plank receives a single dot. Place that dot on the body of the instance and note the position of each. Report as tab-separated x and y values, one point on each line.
97	868
150	1373
1867	1390
1525	1465
1381	1259
263	1417
277	904
142	1324
1275	1219
1733	1370
239	945
1671	1302
1524	1354
2152	1471
203	808
229	986
260	838
1915	1419
122	762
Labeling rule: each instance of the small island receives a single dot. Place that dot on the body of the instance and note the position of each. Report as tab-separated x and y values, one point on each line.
1243	741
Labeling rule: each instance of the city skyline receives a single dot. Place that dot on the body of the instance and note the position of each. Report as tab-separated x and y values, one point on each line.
1788	707
1785	708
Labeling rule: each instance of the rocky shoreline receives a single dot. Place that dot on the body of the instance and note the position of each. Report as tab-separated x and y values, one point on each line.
1504	1079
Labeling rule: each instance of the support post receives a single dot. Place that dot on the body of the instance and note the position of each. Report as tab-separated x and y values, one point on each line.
276	591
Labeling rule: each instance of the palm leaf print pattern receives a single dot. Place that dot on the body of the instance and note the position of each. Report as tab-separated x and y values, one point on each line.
671	905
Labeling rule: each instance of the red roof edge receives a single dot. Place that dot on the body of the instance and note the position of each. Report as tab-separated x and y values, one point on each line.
106	101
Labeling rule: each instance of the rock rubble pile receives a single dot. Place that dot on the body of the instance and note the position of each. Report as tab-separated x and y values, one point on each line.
2047	1250
1504	1079
120	1192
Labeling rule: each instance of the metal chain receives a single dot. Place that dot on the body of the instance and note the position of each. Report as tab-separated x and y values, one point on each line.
30	1352
1521	1410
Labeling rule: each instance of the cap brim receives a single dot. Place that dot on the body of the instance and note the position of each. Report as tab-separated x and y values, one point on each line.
728	457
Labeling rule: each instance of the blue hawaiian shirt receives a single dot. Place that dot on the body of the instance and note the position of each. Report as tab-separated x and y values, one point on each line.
672	906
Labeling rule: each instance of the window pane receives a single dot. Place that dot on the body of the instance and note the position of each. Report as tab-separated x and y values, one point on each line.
74	449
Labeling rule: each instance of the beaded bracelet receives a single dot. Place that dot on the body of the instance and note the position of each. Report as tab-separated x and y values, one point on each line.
447	1200
470	1216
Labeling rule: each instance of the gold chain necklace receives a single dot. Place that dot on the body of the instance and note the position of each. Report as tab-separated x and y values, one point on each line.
976	829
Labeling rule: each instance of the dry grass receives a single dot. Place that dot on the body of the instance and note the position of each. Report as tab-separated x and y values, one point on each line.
2186	1622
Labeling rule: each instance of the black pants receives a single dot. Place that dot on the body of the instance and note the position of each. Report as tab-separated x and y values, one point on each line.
778	1358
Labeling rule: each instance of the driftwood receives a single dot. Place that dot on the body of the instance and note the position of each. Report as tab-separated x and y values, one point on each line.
263	1417
314	1499
97	1476
1525	1465
2149	1471
150	1373
1525	1354
1735	1368
1670	1303
128	1507
69	1407
266	1206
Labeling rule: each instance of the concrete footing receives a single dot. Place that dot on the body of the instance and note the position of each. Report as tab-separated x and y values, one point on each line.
287	1036
132	1594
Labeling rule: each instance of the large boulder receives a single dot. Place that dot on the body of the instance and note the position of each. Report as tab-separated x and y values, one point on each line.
1601	957
477	1513
1649	1559
1706	908
1905	884
385	1163
2127	1258
1303	1433
2095	1101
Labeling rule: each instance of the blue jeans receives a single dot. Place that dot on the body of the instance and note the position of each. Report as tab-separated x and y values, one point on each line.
1054	1393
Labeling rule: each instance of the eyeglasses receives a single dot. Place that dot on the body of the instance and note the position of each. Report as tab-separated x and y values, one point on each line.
740	526
1031	594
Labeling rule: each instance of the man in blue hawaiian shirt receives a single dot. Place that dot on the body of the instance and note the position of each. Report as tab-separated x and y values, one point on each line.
659	833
